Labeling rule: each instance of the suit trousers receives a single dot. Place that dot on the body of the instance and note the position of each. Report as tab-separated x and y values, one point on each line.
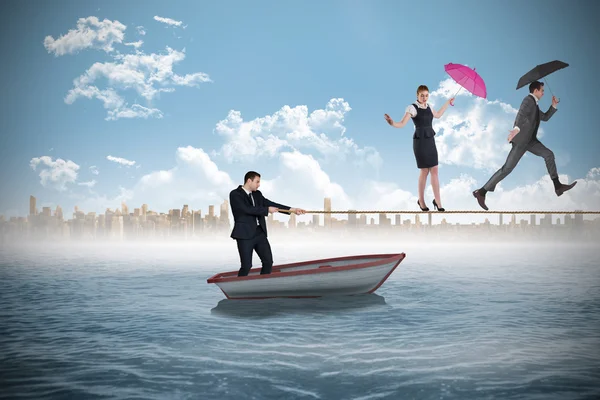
518	150
246	247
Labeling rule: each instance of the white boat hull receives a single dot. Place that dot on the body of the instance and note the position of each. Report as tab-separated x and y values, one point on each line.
329	277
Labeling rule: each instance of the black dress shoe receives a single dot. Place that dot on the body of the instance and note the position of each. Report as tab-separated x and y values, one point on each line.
422	209
480	199
563	188
435	206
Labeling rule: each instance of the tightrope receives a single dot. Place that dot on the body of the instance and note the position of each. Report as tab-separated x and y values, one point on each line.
441	212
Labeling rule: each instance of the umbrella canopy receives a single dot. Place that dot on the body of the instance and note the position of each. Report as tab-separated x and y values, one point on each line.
540	71
467	78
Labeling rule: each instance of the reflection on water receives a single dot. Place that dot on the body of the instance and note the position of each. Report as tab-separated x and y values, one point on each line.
285	306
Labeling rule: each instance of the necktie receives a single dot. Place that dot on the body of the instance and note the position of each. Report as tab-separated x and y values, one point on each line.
252	200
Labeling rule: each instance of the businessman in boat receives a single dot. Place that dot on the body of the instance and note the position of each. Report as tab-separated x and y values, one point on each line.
249	208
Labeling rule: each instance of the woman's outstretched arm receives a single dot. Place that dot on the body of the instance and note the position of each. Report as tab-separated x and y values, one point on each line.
443	109
400	124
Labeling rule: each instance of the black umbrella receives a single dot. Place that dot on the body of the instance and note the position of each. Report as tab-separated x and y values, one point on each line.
540	71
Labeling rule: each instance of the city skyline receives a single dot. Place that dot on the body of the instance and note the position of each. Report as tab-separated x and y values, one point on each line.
145	223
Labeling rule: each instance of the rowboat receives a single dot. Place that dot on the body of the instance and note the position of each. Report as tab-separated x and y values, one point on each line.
316	278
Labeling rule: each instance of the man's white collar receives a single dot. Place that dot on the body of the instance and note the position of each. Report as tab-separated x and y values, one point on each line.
535	98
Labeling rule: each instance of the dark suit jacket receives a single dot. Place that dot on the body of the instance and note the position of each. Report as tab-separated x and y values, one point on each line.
244	213
527	118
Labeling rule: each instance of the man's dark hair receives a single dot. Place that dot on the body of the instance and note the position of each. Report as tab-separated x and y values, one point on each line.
537	85
250	175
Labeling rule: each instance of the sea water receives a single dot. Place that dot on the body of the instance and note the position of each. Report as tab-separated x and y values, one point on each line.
459	321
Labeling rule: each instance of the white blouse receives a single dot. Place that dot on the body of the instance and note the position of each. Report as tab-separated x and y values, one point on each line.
413	111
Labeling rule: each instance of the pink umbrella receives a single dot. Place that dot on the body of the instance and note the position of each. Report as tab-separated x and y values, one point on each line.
467	78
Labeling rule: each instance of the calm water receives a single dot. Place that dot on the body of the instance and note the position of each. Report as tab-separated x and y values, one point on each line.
453	322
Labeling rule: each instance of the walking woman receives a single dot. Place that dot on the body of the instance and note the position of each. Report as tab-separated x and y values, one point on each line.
424	143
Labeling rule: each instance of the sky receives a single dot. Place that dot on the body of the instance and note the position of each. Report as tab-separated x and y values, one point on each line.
170	103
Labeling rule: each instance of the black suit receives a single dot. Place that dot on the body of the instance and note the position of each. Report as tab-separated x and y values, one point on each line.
249	234
528	120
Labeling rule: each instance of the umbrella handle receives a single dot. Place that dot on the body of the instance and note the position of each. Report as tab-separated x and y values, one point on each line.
456	94
548	86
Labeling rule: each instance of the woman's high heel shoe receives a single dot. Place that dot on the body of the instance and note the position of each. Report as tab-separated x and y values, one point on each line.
422	209
438	208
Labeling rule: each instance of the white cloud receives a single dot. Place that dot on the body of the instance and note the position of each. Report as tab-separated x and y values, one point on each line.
198	158
190	79
167	21
109	97
303	183
331	117
473	133
384	196
245	140
474	137
100	203
360	157
198	181
120	160
90	33
55	174
94	170
293	128
156	178
135	111
593	173
137	44
115	104
195	180
89	184
147	74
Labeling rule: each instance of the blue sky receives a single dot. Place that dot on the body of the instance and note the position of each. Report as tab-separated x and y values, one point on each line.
256	59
